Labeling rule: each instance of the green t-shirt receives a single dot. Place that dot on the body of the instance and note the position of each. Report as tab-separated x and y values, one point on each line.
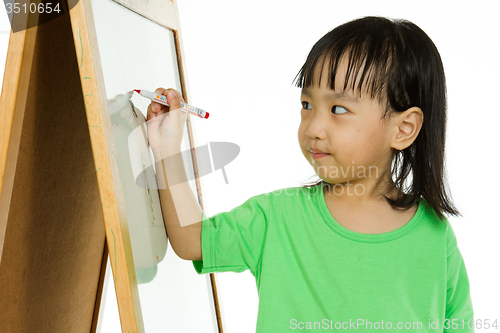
314	274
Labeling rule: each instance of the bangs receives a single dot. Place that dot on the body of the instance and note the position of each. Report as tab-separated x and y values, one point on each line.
367	51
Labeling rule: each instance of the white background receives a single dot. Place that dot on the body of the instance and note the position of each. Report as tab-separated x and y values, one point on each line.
241	59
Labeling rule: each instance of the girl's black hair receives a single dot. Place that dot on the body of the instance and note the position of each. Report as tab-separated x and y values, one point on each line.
402	69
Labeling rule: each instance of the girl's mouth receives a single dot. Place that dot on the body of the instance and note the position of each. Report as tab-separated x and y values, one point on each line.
319	155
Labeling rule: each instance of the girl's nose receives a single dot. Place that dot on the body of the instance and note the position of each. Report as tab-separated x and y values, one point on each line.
316	128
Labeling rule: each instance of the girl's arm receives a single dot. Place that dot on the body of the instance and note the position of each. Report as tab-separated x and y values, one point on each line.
181	212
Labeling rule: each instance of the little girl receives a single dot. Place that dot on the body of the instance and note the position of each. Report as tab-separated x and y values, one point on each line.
367	247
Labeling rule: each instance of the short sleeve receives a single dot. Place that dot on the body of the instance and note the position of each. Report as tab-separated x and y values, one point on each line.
458	299
233	241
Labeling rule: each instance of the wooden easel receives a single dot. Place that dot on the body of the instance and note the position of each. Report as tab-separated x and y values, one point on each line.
59	188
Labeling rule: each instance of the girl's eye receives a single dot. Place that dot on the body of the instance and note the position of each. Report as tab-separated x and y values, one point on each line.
341	109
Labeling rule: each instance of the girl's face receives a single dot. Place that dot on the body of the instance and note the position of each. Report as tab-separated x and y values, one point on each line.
348	128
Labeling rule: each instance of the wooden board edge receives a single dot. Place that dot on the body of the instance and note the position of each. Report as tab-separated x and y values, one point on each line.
13	103
112	203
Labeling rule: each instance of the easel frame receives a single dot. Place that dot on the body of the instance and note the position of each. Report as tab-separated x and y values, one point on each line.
40	128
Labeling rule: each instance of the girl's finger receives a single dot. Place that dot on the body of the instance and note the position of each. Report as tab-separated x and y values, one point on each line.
174	102
150	113
160	90
156	109
157	106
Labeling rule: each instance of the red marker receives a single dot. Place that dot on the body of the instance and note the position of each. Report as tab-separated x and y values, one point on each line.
163	100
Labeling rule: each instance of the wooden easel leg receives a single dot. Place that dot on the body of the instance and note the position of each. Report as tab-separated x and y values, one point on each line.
98	298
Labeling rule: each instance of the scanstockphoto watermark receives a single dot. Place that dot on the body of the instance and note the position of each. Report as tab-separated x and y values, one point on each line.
210	157
364	324
328	324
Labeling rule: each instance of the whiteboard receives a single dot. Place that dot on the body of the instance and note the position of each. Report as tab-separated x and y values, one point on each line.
137	53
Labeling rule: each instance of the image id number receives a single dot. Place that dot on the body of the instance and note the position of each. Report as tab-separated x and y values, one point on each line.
32	8
471	323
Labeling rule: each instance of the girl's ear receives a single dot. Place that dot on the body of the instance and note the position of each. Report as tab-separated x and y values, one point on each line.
408	125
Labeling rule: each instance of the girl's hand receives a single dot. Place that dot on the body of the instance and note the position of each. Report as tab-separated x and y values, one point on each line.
166	124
